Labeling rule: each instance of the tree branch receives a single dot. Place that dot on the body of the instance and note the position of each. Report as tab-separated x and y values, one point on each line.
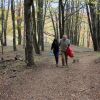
66	17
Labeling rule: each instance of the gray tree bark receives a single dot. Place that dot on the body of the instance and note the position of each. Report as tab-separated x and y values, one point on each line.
13	21
28	28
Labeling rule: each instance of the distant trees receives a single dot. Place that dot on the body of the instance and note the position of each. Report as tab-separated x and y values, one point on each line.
66	19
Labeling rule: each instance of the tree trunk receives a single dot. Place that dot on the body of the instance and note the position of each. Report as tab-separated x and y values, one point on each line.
13	21
91	19
53	23
19	20
40	24
57	31
5	25
60	19
98	25
2	7
29	42
37	50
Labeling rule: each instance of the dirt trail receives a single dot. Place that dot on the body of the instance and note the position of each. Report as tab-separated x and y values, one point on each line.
81	81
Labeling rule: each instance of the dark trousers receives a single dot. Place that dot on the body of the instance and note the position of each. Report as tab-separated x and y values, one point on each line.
64	58
56	54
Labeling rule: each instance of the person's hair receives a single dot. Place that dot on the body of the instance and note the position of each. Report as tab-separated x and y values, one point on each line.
55	41
64	36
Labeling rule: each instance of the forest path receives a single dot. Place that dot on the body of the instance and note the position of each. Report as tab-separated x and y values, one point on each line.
81	81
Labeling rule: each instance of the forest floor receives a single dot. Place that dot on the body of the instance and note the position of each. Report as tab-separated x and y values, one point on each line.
45	81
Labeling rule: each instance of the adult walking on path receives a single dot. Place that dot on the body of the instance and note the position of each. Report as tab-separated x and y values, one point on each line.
55	48
64	44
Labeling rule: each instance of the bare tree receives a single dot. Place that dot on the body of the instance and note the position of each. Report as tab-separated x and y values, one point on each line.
2	17
28	28
5	24
94	23
13	21
19	21
40	23
36	46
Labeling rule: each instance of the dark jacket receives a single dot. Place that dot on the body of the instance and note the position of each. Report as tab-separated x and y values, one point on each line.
55	47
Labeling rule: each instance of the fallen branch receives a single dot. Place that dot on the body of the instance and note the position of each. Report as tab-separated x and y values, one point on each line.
11	60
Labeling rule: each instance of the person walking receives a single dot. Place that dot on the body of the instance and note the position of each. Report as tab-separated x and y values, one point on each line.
55	48
64	44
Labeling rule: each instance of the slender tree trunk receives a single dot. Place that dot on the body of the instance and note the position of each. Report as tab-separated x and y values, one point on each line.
61	18
13	21
63	22
19	20
41	27
91	20
57	31
40	24
2	7
59	14
37	50
5	25
53	23
98	24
